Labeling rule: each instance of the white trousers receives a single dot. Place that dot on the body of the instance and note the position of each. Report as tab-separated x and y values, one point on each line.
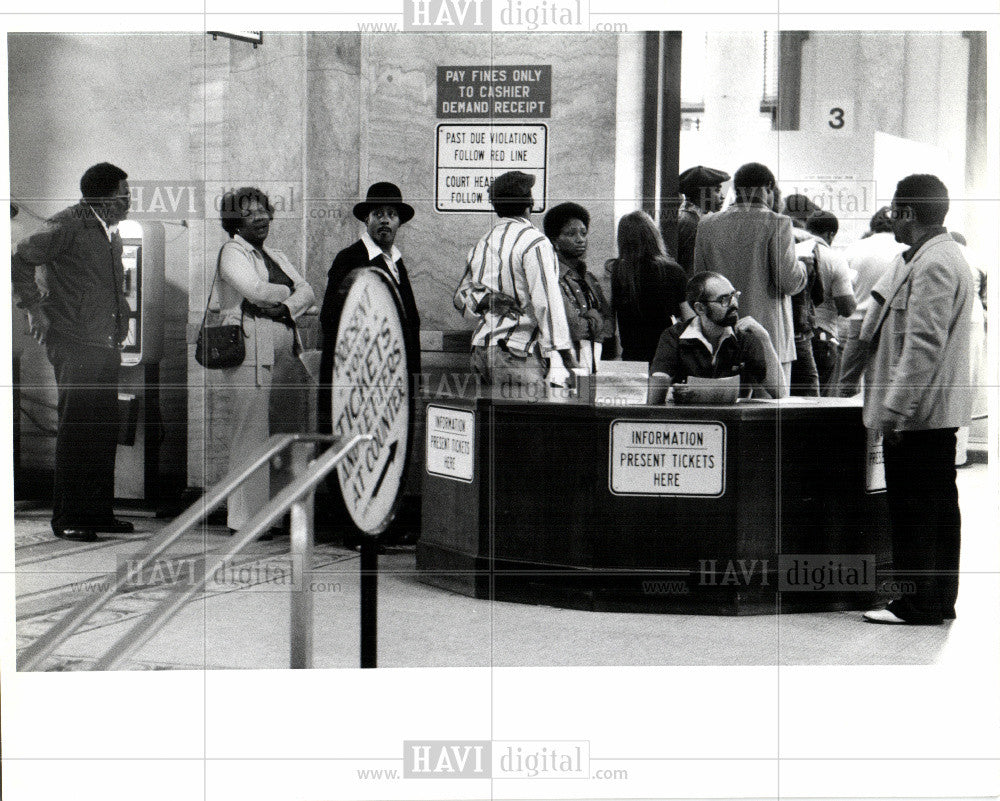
271	400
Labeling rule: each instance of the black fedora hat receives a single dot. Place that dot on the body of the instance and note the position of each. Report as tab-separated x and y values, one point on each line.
384	194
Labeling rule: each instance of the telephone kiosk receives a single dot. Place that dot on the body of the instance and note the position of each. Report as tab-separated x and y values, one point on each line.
140	427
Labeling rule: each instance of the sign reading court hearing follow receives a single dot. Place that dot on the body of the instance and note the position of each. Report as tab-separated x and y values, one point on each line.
667	458
470	156
371	395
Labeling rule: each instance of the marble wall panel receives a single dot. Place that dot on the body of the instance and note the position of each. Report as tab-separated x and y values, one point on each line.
75	100
247	125
399	89
880	65
333	137
265	119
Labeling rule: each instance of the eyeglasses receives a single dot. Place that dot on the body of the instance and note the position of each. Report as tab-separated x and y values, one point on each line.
725	300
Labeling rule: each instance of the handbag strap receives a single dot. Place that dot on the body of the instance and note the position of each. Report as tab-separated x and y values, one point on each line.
208	300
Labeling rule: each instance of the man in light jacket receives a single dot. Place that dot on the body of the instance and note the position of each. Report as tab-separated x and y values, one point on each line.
914	343
753	247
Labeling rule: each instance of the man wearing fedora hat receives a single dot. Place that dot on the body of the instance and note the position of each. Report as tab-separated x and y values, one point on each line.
382	212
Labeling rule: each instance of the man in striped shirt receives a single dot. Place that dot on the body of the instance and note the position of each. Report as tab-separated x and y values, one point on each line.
511	283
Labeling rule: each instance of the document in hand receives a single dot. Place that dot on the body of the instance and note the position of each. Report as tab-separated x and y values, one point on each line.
707	390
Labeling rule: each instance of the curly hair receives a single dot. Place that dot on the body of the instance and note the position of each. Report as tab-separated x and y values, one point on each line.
558	216
234	206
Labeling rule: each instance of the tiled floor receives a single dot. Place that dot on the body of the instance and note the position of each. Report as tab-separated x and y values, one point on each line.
243	623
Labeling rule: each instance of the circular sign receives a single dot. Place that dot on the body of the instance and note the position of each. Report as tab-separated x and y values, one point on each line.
370	394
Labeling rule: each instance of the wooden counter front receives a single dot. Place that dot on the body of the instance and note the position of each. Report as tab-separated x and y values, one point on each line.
527	506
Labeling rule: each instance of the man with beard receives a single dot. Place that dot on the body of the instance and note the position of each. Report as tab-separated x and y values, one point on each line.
716	343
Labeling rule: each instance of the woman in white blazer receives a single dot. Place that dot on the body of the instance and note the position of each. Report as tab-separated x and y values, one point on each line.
260	289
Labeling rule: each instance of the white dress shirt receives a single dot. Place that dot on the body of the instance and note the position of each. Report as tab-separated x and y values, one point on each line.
389	258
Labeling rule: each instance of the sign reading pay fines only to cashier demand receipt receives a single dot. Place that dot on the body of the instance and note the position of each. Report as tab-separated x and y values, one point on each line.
660	458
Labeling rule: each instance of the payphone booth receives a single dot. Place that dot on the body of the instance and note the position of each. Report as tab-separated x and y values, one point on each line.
140	426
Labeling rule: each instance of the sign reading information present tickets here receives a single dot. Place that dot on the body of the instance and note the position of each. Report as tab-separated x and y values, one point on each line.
450	442
470	156
667	458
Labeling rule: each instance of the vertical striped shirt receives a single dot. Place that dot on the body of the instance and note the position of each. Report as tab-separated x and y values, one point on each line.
515	259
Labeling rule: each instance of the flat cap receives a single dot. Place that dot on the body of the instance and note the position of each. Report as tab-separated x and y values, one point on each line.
695	178
512	187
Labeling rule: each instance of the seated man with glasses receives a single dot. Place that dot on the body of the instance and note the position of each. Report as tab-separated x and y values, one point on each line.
716	343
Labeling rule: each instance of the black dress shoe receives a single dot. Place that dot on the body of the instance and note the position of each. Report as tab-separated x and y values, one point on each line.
116	526
76	534
905	612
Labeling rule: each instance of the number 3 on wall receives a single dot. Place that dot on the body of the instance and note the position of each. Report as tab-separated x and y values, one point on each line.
837	121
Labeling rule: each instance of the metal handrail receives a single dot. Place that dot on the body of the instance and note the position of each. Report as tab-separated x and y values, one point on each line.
307	477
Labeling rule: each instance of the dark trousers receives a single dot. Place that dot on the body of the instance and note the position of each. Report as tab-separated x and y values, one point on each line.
926	523
827	355
87	436
805	379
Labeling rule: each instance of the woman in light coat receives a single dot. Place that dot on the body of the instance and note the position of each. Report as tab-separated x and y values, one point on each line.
259	289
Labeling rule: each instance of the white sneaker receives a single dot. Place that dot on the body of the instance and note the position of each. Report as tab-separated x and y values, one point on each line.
883	616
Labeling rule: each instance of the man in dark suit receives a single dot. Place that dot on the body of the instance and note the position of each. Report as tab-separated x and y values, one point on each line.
82	321
383	212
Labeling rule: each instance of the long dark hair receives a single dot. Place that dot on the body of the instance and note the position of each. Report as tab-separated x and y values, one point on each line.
640	252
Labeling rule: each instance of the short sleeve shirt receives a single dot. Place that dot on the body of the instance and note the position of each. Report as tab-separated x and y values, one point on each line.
739	353
835	274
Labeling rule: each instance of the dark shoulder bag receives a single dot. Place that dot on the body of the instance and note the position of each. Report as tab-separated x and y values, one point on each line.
219	346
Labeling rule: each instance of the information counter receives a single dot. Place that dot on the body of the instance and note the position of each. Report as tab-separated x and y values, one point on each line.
755	507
